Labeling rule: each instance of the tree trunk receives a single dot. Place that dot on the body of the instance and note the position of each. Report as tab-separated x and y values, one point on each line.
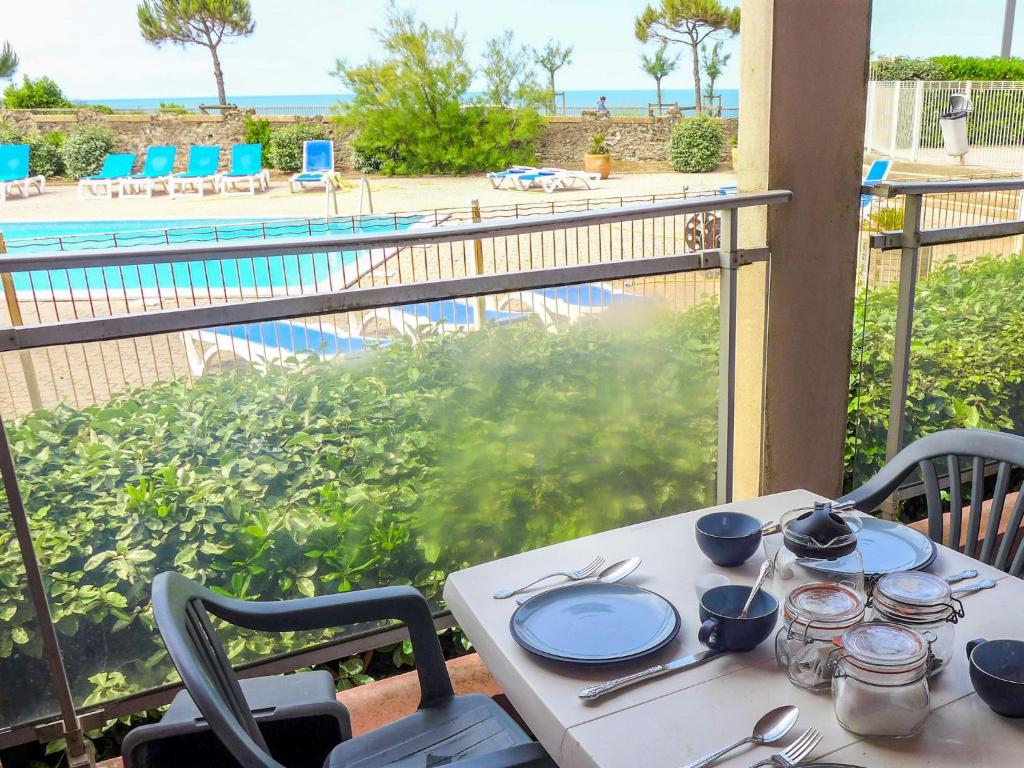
657	82
219	74
696	78
551	78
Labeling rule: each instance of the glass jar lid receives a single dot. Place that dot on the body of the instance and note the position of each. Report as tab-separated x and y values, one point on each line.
824	603
913	588
884	647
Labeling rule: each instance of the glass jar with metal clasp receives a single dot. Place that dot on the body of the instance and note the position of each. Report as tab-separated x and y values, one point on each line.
924	603
816	614
880	680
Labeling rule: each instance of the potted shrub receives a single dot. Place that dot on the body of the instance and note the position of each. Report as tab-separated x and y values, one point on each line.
599	159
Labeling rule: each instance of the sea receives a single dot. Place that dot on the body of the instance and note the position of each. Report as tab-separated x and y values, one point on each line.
615	98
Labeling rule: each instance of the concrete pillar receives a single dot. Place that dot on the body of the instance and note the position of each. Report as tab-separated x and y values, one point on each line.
803	91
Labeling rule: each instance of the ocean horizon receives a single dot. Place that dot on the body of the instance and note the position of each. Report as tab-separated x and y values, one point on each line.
638	97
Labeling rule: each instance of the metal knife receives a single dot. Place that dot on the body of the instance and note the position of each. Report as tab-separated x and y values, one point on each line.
597	691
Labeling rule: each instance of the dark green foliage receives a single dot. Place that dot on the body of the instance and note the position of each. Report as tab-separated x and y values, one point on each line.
695	145
41	93
967	359
257	131
947	68
8	62
398	468
285	151
407	107
84	150
44	149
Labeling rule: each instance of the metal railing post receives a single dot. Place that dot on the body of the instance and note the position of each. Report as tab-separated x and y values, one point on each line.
14	310
77	751
909	257
478	264
729	254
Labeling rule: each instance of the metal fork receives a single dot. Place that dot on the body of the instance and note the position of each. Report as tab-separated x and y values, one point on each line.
581	573
795	752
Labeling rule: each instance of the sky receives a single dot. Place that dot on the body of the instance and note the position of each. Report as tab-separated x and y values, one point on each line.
93	49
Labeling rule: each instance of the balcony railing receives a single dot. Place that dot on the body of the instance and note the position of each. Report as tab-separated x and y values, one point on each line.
486	386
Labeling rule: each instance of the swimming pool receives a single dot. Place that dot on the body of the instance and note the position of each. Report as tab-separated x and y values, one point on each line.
293	272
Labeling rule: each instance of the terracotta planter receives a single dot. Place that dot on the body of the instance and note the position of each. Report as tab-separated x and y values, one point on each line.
598	164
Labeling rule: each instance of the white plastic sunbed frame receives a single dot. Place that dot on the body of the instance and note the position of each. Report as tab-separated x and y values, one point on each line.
560	178
256	181
22	186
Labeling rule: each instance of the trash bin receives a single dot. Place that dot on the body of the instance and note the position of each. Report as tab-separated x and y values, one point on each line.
954	125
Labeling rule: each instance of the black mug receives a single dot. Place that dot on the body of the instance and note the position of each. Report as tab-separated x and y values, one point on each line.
720	628
997	673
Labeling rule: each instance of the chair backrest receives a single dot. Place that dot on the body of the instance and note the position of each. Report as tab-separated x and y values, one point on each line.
14	160
117	165
317	155
179	607
952	447
159	161
203	160
878	171
247	159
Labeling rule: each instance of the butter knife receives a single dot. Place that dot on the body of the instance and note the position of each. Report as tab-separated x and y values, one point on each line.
597	691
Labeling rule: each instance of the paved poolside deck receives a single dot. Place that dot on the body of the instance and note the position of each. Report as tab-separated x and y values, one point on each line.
61	203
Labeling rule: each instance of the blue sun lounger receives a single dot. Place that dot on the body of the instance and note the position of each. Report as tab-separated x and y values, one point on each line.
14	170
498	178
246	170
317	165
156	171
273	342
877	173
203	162
115	168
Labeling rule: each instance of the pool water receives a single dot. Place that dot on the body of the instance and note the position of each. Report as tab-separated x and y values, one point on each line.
292	272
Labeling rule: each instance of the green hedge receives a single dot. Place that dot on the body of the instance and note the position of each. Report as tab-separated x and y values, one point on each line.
44	149
695	145
85	148
947	68
967	358
413	461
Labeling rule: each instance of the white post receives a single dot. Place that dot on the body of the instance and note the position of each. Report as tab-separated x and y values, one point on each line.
869	123
915	135
895	118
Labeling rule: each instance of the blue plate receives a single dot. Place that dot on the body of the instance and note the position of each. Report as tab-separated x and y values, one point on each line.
595	623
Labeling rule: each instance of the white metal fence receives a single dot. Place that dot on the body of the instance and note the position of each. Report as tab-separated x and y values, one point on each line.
903	121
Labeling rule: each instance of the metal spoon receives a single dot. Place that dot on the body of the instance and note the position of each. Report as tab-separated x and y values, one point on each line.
766	568
975	587
614	572
970	573
770	728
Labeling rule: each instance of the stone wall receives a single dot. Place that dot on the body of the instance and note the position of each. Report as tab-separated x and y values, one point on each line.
565	140
562	142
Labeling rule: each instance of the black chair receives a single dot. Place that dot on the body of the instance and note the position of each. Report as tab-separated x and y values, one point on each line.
471	731
951	446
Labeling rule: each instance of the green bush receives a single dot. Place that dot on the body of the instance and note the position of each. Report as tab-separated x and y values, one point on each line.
257	131
41	93
84	150
967	359
171	108
947	68
695	145
285	151
397	468
408	107
44	149
102	109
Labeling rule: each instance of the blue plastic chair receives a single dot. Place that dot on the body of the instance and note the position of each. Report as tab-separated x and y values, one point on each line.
156	171
317	165
203	162
246	170
115	167
877	173
14	170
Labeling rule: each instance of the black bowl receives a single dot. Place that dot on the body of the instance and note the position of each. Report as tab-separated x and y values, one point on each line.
728	538
997	673
722	630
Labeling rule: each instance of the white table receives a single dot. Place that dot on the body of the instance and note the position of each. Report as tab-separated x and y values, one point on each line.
668	721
